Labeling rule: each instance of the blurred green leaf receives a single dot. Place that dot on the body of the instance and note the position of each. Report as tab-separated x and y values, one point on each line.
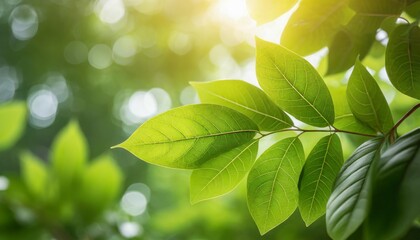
314	24
246	99
273	183
348	204
396	197
294	84
267	10
367	101
353	41
12	123
100	186
413	10
69	155
35	175
378	7
402	59
344	118
318	177
188	136
223	173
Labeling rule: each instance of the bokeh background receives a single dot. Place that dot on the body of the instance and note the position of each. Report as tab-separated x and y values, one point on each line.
107	66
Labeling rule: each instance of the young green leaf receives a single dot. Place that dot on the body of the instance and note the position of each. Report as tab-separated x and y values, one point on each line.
402	59
294	84
69	154
378	7
246	99
396	197
35	175
344	118
267	10
313	25
273	183
318	177
188	136
348	204
222	173
12	123
101	183
366	100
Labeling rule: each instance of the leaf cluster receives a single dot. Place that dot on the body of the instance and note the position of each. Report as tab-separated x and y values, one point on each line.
219	139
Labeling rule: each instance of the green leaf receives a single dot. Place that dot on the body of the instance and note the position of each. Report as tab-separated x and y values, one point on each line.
246	99
12	123
69	154
378	7
35	175
402	59
314	24
413	10
366	100
273	183
223	173
395	202
188	136
344	118
267	10
318	177
100	186
353	41
348	204
294	85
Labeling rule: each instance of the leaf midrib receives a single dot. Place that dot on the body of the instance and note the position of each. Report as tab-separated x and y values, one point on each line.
320	174
250	109
303	97
274	181
227	165
196	137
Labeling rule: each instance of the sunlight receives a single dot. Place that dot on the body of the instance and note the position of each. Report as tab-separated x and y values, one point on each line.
233	9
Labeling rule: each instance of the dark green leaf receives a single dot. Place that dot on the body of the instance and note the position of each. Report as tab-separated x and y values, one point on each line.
367	101
246	99
188	136
353	41
12	123
294	84
273	184
395	203
314	24
223	173
267	10
318	177
402	59
349	201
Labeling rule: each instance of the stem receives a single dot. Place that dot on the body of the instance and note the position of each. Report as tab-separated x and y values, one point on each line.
412	110
335	130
